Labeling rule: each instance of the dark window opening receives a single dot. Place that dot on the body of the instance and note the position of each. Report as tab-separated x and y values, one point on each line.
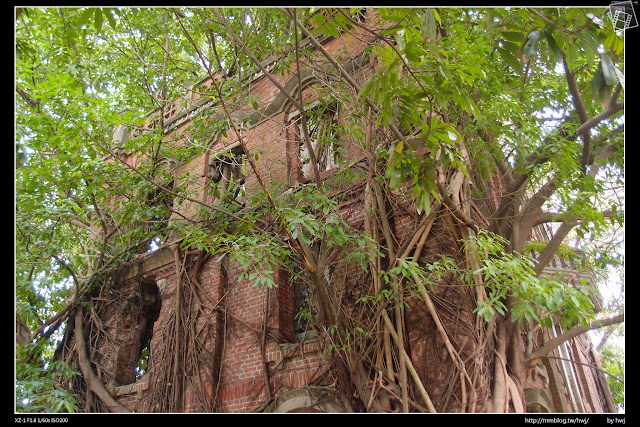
227	177
304	312
151	303
302	316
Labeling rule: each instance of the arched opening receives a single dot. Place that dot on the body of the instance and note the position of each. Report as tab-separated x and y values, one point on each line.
304	400
538	401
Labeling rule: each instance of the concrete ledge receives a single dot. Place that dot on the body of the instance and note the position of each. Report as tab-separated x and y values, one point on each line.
153	261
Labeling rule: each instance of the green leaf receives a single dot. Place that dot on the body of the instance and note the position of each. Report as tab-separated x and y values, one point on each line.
490	19
331	29
318	19
597	82
472	107
513	36
608	69
488	314
552	44
413	52
424	203
98	21
604	95
589	51
429	28
85	17
437	16
110	18
510	60
69	407
305	237
521	48
399	36
572	55
531	46
620	76
396	177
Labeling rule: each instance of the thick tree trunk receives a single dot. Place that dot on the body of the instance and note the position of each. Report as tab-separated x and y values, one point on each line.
93	383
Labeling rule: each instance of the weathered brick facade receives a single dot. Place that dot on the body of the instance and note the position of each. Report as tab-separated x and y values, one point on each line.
231	311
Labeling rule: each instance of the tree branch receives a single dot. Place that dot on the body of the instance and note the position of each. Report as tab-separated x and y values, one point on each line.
455	208
32	102
296	104
588	365
345	75
592	122
549	251
571	333
539	157
544	217
303	113
542	195
304	251
601	139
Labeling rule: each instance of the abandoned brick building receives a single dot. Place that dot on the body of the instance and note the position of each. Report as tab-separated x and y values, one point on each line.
237	351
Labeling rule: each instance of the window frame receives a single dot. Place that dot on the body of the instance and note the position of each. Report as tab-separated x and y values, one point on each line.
232	170
326	164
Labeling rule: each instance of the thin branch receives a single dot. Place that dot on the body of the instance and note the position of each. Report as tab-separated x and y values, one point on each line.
66	267
582	113
296	104
616	94
303	113
464	218
412	371
212	37
307	256
159	186
539	157
603	138
592	122
30	100
549	251
588	365
535	203
345	75
399	55
572	333
544	217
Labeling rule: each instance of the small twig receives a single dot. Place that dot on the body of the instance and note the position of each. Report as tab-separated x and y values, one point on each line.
588	365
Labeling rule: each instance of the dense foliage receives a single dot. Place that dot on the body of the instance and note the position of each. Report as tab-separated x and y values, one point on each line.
534	93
